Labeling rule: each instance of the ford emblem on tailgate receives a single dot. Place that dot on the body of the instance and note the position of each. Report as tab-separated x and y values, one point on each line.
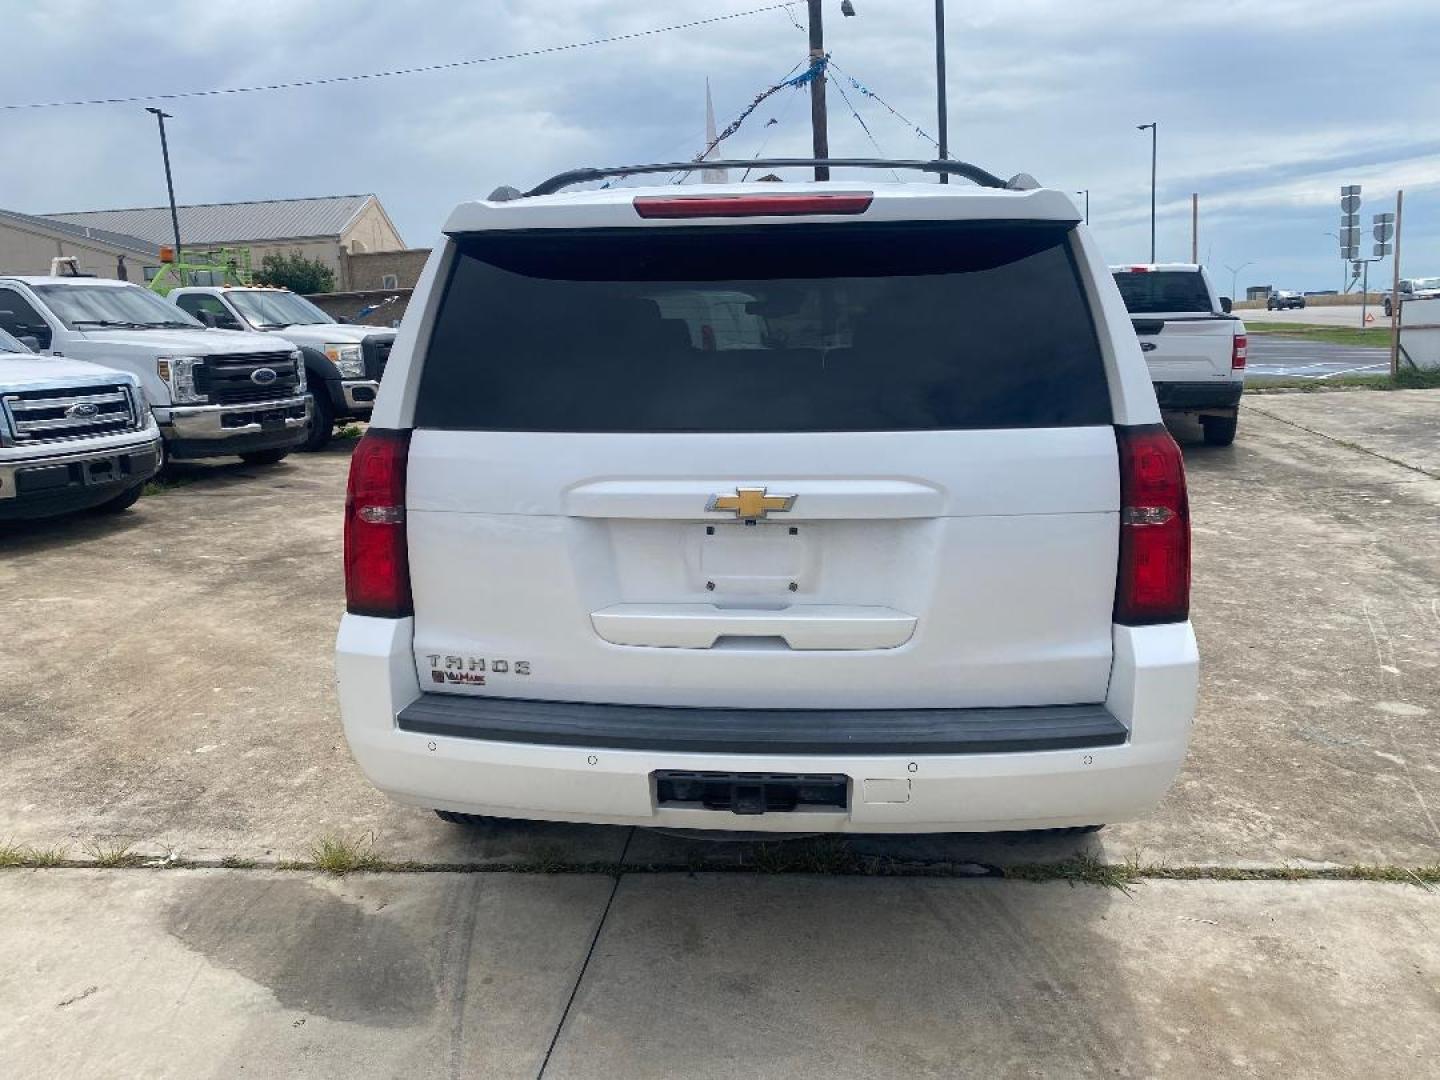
263	376
81	410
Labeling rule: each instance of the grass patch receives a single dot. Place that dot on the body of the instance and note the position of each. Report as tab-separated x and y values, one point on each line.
1081	870
349	431
236	862
1372	336
110	853
339	855
29	856
1407	379
167	482
1411	379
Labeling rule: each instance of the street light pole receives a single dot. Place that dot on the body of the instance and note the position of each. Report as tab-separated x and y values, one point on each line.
819	126
1235	273
1343	268
940	104
1086	193
1154	128
162	116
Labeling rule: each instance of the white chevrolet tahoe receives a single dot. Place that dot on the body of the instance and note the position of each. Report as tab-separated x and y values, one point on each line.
213	392
1194	347
73	436
343	363
769	507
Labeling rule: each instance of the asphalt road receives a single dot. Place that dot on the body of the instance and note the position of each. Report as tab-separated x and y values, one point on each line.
1295	358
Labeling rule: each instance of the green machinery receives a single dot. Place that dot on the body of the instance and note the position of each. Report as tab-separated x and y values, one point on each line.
217	266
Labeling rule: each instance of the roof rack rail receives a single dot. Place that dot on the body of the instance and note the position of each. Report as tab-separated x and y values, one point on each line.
1020	182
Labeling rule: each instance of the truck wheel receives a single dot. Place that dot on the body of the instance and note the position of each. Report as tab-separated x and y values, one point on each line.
1219	430
121	502
322	422
455	818
264	457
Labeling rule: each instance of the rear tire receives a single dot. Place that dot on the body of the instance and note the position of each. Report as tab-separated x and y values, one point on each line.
264	457
322	422
455	818
1219	430
121	502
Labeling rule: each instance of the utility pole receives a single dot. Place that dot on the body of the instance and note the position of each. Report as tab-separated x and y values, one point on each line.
819	125
1395	292
1195	227
162	116
940	105
1154	128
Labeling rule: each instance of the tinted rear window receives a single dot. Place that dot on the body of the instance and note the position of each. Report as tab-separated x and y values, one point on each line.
1155	291
876	327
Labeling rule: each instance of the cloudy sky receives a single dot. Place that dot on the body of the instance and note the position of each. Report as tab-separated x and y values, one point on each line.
1265	106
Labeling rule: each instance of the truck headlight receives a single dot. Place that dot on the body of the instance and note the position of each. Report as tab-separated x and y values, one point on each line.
299	359
348	359
179	374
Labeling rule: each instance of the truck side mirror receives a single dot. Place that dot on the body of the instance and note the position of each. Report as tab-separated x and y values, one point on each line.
30	341
208	318
1226	305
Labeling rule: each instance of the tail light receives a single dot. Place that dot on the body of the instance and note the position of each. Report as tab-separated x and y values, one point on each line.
779	205
1238	352
377	559
1153	583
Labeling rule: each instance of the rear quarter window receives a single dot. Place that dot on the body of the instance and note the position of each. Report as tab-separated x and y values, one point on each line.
852	327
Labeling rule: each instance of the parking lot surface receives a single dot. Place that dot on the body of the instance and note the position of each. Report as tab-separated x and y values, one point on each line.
1272	357
213	973
170	682
169	693
1324	314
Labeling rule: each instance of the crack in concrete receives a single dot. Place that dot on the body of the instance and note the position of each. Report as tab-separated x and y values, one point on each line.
1348	445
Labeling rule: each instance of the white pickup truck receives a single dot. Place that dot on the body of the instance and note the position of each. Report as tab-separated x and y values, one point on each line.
1194	347
73	436
343	363
213	392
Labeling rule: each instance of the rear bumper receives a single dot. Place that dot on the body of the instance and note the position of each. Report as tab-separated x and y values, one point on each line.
1118	769
59	483
1199	395
218	430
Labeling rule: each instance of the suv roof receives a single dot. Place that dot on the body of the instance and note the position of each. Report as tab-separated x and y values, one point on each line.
892	202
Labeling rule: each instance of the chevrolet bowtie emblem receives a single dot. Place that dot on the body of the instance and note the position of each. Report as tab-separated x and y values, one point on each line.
750	503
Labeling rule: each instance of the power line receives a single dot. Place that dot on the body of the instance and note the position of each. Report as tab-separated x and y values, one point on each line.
893	111
328	80
863	126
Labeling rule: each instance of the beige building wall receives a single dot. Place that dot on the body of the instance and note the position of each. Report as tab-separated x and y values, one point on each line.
324	250
371	231
27	251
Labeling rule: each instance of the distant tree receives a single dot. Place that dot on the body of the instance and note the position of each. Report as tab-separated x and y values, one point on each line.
296	273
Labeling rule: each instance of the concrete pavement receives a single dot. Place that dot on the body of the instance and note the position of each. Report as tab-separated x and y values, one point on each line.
1321	314
198	974
169	681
